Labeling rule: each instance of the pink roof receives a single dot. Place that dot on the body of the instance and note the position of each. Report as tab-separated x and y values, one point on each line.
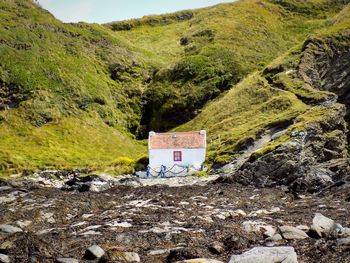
177	140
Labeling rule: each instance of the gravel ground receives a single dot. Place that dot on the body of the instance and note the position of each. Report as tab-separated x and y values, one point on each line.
162	223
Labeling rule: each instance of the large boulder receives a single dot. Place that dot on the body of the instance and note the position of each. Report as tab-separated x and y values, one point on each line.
321	226
266	255
94	252
290	233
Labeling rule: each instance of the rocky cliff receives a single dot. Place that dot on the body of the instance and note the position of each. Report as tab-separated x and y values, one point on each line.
314	153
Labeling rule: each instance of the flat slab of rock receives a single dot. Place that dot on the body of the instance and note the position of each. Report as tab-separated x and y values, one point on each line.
4	258
200	260
94	252
67	260
127	257
266	255
290	233
10	229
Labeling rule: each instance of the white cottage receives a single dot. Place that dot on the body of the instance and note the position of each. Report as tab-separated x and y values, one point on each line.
178	148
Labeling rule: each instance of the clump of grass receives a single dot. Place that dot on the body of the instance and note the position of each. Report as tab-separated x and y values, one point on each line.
201	174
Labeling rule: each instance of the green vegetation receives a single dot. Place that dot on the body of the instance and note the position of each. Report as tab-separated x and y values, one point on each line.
242	114
205	55
65	85
77	95
273	97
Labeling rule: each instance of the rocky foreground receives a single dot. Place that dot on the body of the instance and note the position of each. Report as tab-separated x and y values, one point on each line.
140	221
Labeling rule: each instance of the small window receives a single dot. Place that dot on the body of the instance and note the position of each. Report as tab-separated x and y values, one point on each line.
177	156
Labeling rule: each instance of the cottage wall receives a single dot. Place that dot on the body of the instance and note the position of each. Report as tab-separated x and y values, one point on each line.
192	157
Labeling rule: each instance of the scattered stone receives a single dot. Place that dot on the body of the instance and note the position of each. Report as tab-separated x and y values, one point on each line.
122	224
343	241
94	252
9	199
266	255
238	212
10	229
23	224
206	218
4	258
290	232
90	233
237	242
264	212
321	226
345	232
86	216
67	260
91	227
79	224
125	257
7	245
258	226
5	188
182	254
217	248
199	260
274	238
99	186
158	252
48	217
45	231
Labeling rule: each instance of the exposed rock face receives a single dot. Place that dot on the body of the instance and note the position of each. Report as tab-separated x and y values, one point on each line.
326	65
306	161
314	157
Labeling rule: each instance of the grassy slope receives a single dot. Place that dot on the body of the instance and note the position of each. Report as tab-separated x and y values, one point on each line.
254	105
57	78
223	44
76	89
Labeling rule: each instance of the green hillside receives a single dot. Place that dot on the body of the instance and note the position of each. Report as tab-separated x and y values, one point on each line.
77	95
66	92
205	52
280	95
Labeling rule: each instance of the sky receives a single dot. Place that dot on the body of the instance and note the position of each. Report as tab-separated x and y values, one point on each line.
103	11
